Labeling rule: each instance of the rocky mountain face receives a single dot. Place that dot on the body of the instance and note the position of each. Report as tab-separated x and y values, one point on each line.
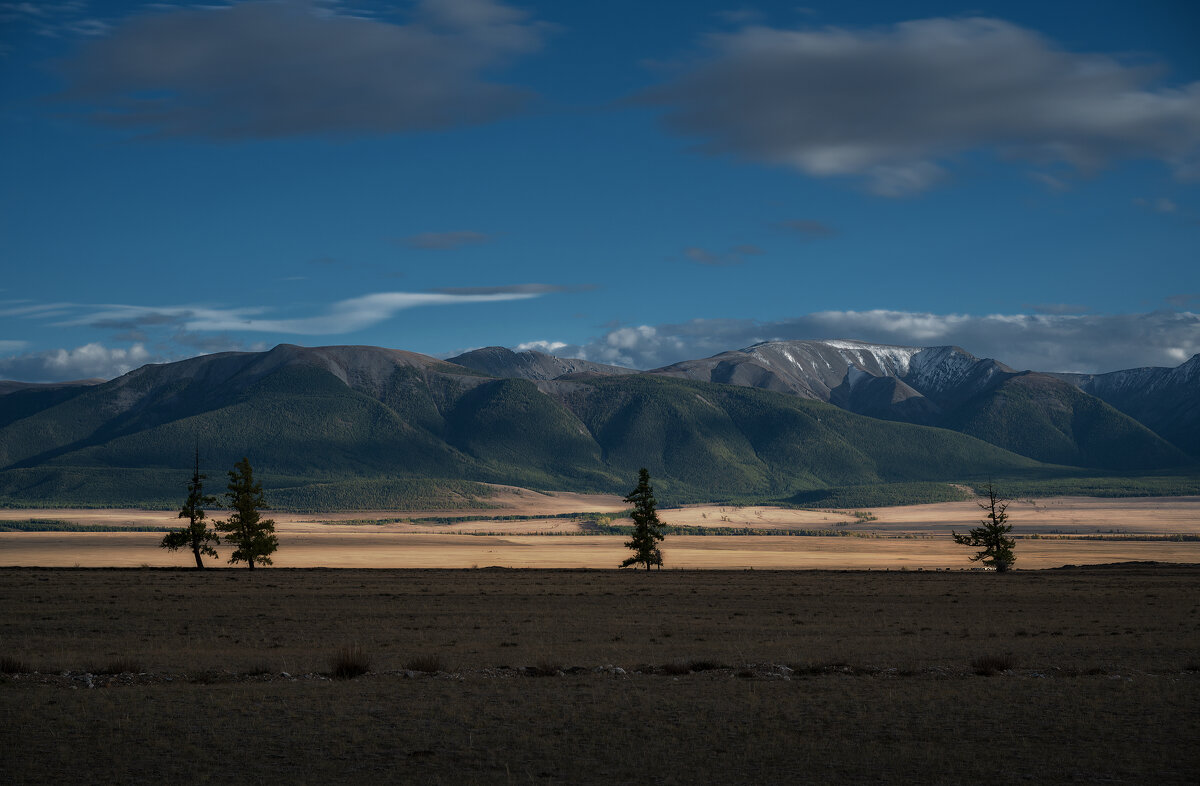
530	364
1042	416
913	384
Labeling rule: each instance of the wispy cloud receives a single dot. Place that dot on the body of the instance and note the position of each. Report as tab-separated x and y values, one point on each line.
734	256
806	228
1044	342
516	289
444	240
53	19
1052	183
1159	205
1056	308
896	105
264	70
345	316
1183	300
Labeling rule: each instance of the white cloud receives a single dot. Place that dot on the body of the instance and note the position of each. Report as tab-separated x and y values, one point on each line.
85	362
1043	342
12	346
549	347
896	105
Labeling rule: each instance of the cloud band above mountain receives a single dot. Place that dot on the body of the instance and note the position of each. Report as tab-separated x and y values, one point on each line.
1043	342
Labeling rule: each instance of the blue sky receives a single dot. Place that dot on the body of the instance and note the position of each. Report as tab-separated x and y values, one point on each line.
628	182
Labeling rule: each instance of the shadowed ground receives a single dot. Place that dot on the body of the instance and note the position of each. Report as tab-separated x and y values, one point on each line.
1092	674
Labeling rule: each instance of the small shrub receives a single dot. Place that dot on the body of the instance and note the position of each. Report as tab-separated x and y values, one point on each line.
259	669
349	662
429	664
544	668
676	668
11	665
705	665
993	664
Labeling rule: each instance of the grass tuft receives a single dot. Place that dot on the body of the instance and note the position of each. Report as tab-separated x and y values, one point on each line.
349	662
993	664
11	665
429	664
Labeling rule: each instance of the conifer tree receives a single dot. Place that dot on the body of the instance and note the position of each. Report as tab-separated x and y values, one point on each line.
196	536
252	536
647	529
996	548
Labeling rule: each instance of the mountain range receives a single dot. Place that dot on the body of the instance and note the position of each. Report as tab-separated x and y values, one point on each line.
1074	419
362	427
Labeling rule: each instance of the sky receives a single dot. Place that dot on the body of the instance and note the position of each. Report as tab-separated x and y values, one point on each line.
627	182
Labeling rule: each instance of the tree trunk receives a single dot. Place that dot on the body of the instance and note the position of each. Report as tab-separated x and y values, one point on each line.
199	562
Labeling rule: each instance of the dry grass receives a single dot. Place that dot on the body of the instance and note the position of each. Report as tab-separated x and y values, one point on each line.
349	662
117	664
1094	684
11	665
426	664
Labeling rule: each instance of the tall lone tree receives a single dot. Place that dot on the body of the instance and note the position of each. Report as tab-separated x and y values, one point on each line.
647	529
252	536
196	536
996	548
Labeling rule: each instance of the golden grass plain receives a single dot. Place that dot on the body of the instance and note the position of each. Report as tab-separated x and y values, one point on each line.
909	537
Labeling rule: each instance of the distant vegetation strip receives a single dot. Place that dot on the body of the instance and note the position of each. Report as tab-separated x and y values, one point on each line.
450	520
1183	484
57	525
879	495
1174	537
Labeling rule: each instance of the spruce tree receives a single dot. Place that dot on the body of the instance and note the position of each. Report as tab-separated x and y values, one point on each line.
252	536
996	548
196	536
647	529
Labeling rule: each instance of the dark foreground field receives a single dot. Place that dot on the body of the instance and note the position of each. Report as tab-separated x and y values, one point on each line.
1075	675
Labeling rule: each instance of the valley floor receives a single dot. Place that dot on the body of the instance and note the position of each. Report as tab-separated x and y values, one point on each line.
532	530
1080	675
